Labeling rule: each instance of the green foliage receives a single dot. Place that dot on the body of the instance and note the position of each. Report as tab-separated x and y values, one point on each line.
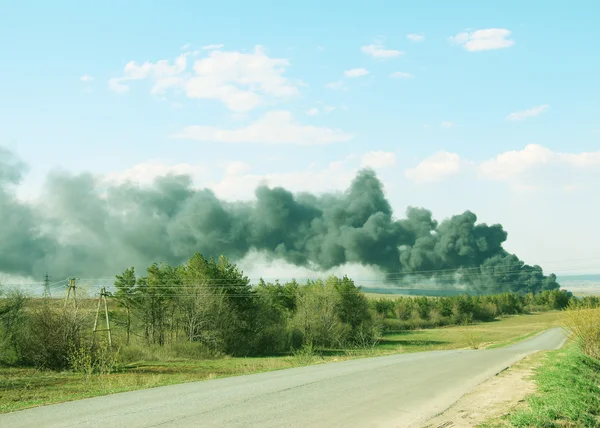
206	308
306	354
12	320
568	394
50	334
407	313
126	295
584	324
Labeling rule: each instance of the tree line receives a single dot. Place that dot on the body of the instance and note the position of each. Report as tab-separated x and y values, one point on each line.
213	303
426	312
210	307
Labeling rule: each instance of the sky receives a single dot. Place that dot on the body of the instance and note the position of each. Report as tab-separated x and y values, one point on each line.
487	106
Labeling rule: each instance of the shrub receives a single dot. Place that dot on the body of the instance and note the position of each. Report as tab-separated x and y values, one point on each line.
133	353
584	323
403	308
92	359
486	312
195	350
12	320
50	335
306	354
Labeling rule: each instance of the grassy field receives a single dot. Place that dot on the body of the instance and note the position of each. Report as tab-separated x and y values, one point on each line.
568	384
22	388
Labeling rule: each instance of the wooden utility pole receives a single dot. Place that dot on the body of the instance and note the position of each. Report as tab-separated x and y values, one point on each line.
72	287
107	329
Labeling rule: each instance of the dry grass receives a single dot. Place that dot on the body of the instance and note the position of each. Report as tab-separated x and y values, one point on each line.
585	326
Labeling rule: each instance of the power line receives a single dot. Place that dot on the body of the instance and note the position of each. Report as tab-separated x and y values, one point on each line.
480	268
221	282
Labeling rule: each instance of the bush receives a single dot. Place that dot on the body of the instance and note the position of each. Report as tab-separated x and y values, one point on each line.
306	354
403	308
195	350
12	320
134	353
50	335
92	359
584	322
436	318
486	312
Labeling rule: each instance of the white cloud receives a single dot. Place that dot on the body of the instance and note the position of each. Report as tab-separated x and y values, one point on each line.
145	173
483	40
242	81
186	47
435	168
316	110
237	168
275	127
163	74
320	48
356	72
335	176
532	112
515	164
415	37
116	85
212	47
378	51
86	78
378	159
447	124
401	75
337	85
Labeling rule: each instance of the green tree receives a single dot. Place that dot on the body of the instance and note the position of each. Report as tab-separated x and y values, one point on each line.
157	293
352	305
126	295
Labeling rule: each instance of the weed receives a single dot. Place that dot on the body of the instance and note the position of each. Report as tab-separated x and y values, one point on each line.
306	354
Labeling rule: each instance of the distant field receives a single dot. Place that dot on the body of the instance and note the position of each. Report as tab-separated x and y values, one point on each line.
582	287
22	387
579	285
390	292
483	335
384	296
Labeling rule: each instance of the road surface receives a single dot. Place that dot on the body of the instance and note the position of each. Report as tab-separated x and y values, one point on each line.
391	391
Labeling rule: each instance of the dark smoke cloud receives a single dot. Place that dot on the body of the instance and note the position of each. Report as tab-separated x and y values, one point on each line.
84	227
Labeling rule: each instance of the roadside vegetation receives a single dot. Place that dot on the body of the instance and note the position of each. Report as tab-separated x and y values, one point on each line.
568	379
203	320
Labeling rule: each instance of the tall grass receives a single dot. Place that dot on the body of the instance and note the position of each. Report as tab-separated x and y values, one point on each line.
584	323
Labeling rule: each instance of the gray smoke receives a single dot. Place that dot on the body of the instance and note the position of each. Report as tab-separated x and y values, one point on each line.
84	227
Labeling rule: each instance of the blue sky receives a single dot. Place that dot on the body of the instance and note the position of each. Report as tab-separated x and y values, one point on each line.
440	134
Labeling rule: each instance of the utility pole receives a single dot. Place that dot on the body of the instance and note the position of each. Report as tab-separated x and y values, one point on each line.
101	298
47	286
72	287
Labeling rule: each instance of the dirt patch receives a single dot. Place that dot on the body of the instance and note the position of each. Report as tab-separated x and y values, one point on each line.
491	399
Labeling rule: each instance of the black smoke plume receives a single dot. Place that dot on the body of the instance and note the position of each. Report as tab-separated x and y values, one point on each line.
81	226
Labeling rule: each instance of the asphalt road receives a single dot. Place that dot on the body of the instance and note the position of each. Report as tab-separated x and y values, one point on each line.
391	391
